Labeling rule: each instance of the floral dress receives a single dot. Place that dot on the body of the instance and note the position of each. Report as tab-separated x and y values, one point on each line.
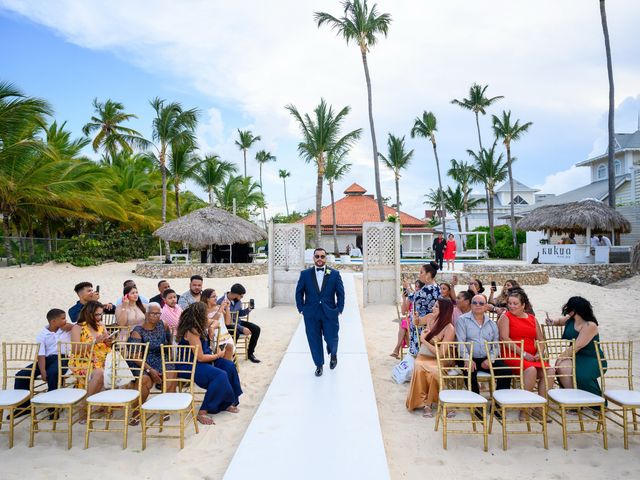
423	300
79	366
155	338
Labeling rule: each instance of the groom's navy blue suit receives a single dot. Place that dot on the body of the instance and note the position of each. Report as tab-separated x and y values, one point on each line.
320	305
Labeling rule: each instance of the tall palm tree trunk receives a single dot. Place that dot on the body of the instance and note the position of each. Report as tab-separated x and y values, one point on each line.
611	149
163	169
211	196
176	187
466	210
32	247
244	152
398	198
319	199
478	126
264	214
444	219
286	204
7	233
491	232
513	214
376	167
47	232
336	250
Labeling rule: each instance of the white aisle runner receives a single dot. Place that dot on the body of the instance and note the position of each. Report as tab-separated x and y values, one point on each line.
317	428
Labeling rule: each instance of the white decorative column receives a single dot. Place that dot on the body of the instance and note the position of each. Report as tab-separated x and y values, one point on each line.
286	260
381	262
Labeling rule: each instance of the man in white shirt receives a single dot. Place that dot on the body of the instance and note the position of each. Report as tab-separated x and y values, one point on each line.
595	241
58	330
604	241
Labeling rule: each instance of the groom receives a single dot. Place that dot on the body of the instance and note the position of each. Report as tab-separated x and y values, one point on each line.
320	299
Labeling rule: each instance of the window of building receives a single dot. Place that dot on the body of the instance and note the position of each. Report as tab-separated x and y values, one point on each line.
518	200
618	166
602	172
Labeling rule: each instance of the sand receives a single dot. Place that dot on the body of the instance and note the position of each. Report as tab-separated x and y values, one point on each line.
413	449
27	294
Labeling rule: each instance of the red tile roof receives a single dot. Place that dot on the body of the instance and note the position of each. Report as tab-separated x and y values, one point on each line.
356	208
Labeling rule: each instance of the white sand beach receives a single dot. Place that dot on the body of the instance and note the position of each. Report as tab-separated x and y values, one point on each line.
413	449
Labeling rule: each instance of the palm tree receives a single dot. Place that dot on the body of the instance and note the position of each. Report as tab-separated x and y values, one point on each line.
111	135
320	137
426	127
435	199
454	201
489	170
508	132
477	103
242	191
283	174
182	166
610	123
461	172
171	125
263	157
212	173
361	25
397	159
245	142
337	167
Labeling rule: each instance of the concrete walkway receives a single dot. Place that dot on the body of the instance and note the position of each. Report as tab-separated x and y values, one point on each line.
317	428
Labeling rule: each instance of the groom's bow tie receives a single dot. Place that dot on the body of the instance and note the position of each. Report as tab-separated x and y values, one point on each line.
318	269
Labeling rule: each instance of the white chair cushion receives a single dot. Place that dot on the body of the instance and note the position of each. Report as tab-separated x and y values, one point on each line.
483	375
168	401
13	397
573	396
623	397
461	396
114	396
61	396
517	396
454	372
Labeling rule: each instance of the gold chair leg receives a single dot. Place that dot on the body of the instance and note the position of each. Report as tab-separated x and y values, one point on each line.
181	430
564	427
88	429
603	419
438	413
635	419
544	427
491	413
504	428
625	428
193	417
484	427
143	422
126	427
527	418
473	419
444	427
70	428
11	425
580	419
32	432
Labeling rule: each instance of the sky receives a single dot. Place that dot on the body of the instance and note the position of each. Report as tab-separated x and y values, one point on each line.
241	62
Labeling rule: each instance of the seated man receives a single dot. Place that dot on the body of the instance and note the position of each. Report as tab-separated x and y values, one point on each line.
162	286
56	331
126	284
235	296
476	327
86	293
193	294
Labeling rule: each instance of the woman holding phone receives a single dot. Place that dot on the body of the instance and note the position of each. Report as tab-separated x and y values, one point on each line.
219	316
131	312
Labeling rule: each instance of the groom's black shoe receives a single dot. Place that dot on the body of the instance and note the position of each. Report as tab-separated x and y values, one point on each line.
333	362
252	358
319	371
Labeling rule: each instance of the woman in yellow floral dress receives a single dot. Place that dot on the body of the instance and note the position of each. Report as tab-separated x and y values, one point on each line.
89	329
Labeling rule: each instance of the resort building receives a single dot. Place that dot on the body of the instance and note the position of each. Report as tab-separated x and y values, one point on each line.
355	208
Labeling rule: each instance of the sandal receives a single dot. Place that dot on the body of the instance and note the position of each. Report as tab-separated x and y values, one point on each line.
205	419
451	414
427	412
395	355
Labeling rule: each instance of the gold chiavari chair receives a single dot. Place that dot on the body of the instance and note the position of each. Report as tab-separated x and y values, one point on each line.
70	393
616	361
514	398
128	360
552	332
240	340
454	369
590	408
109	319
14	357
121	332
181	360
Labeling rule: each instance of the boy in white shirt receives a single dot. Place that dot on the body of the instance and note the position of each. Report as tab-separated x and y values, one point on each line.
48	338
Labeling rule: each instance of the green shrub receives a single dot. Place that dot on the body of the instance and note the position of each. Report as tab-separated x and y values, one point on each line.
503	247
83	250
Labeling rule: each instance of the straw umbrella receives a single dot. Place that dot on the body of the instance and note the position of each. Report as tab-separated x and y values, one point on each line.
211	226
583	217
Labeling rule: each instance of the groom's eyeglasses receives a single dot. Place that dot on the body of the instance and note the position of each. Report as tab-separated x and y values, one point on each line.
320	256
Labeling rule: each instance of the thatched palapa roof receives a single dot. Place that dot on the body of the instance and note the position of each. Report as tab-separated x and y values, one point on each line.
210	226
575	217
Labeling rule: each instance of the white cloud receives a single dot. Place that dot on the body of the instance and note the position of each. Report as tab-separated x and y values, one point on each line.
565	180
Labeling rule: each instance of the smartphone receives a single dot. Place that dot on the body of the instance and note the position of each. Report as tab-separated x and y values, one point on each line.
493	285
98	288
252	303
115	332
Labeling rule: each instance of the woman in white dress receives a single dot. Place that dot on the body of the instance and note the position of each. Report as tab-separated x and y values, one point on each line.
219	316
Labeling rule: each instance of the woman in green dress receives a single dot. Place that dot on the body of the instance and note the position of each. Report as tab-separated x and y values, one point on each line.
580	325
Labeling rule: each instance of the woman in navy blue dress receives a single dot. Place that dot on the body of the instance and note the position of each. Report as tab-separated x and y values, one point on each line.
213	372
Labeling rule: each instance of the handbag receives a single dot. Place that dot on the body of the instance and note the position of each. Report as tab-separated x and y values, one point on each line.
123	374
402	372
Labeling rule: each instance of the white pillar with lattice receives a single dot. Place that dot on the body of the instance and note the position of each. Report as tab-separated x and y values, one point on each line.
381	262
286	260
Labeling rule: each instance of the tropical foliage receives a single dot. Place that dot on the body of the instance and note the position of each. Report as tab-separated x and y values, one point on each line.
337	167
397	159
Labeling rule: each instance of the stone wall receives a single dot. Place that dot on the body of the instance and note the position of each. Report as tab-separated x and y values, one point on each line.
524	277
206	270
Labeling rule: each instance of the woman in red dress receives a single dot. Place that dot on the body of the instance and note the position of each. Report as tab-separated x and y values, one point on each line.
515	325
450	251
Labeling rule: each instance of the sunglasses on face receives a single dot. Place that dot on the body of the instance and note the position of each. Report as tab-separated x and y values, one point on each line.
320	256
478	303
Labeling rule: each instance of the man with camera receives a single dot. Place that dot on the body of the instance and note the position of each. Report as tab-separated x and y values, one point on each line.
245	327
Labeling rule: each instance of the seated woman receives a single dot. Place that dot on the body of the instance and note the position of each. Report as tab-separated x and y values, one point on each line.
89	329
213	372
448	291
475	286
155	333
423	391
581	325
516	325
423	301
131	312
500	301
406	312
219	316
